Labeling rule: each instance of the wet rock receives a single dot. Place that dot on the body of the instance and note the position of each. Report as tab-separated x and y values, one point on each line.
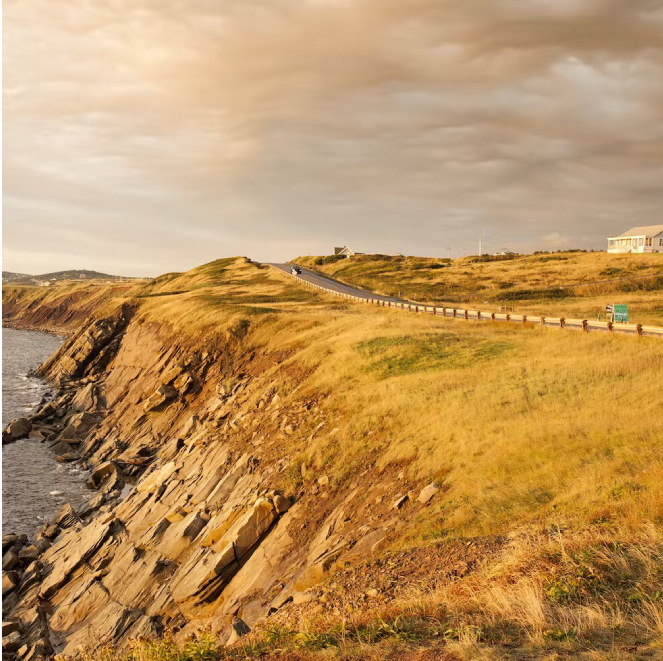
9	540
16	429
427	493
61	448
66	458
9	560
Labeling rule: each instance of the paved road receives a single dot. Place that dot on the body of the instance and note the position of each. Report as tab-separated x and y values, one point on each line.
571	324
320	280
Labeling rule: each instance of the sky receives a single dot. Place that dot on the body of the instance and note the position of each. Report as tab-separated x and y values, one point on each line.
146	136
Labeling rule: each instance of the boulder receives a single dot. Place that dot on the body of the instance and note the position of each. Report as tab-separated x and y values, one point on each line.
281	504
28	554
9	540
92	505
37	435
9	626
9	581
11	642
61	448
400	501
16	429
9	560
427	493
160	396
66	458
79	424
48	531
66	517
102	474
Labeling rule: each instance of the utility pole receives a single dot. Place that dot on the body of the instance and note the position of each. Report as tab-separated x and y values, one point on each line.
480	240
448	253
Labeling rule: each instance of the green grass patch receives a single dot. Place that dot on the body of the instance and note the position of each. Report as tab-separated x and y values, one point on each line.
397	356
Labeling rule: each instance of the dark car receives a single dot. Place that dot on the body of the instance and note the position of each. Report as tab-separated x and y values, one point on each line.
295	270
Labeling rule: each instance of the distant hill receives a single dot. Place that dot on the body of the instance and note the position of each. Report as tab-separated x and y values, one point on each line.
56	276
9	276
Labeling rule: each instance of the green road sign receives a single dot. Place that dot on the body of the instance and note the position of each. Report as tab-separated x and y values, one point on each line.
620	313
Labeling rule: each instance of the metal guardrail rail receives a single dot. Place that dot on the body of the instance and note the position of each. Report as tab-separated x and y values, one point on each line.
585	325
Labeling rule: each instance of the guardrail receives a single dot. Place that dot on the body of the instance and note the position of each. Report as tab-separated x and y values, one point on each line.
585	325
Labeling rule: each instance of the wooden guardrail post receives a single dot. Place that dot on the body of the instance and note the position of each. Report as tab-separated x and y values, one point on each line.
492	316
561	322
610	327
543	320
454	314
524	319
638	328
434	308
584	325
467	316
508	317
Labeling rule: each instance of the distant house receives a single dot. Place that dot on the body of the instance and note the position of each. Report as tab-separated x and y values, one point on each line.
648	238
346	252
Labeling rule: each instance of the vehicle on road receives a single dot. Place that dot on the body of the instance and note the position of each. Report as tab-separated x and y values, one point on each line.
295	270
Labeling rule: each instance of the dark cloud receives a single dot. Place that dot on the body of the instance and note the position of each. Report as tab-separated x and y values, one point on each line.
152	135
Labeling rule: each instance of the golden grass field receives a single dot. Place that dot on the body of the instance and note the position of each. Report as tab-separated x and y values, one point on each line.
525	428
573	284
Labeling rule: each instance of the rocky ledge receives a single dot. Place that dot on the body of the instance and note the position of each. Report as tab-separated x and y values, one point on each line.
198	517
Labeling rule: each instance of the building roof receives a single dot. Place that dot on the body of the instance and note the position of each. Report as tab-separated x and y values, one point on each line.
645	230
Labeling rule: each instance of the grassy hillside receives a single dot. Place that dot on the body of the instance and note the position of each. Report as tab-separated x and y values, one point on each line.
527	432
575	284
482	408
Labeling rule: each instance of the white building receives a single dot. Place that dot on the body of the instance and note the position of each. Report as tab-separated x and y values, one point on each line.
638	239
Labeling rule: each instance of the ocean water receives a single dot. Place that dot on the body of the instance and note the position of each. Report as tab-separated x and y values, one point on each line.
34	485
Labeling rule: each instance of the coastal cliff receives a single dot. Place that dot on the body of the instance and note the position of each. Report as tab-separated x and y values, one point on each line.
237	463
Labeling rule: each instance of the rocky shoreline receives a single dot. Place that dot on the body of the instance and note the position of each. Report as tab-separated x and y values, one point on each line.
52	330
198	516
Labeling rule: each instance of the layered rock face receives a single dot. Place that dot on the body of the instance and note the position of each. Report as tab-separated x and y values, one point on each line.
194	518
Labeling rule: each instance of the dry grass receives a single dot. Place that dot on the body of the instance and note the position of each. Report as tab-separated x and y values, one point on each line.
547	596
526	424
522	426
532	284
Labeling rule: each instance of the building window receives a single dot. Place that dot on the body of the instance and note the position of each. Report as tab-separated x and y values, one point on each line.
641	242
649	240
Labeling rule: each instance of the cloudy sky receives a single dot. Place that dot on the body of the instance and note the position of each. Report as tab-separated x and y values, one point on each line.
144	136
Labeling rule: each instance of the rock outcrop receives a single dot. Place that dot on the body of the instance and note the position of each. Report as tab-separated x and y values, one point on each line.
197	515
